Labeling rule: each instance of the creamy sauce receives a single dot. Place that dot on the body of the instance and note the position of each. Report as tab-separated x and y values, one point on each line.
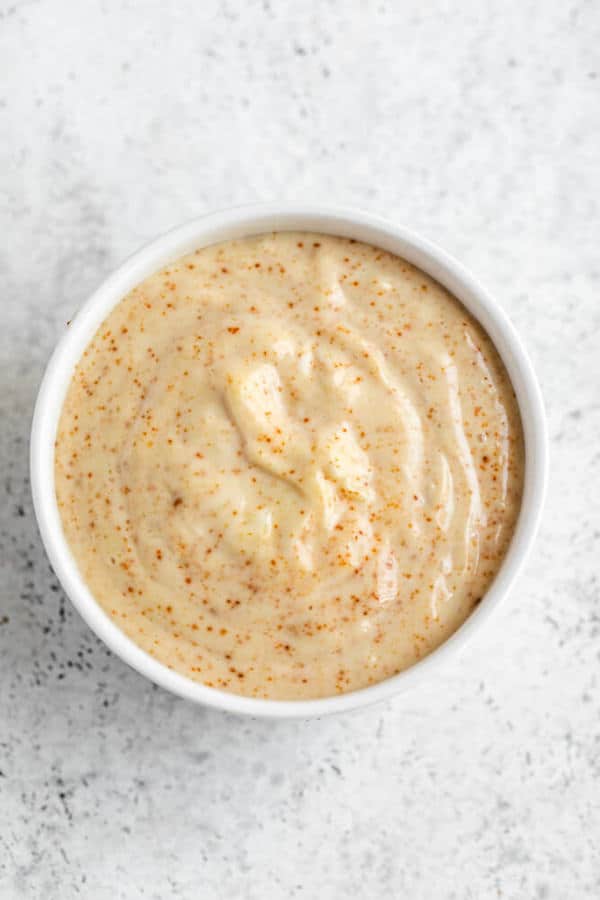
289	466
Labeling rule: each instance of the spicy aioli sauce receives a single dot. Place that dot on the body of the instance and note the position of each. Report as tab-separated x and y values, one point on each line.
289	466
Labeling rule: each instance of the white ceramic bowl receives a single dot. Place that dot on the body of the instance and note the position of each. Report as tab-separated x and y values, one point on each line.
235	223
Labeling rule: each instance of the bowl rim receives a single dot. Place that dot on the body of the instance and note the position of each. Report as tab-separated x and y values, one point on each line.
250	220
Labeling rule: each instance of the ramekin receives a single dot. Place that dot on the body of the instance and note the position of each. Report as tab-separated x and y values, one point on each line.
236	223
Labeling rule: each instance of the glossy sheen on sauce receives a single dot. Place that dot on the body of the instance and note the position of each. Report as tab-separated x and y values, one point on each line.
289	466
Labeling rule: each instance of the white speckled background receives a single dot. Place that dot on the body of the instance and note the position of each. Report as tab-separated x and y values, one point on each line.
478	123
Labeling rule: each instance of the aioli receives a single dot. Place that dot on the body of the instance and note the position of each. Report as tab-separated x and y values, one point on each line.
290	465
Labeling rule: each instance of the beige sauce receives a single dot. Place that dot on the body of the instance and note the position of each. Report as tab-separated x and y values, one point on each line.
289	466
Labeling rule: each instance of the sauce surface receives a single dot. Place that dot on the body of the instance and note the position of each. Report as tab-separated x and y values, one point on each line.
289	466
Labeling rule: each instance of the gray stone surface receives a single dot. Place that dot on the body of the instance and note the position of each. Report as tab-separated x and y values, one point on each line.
476	123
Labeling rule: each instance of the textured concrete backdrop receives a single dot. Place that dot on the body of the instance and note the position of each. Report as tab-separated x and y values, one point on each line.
476	123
